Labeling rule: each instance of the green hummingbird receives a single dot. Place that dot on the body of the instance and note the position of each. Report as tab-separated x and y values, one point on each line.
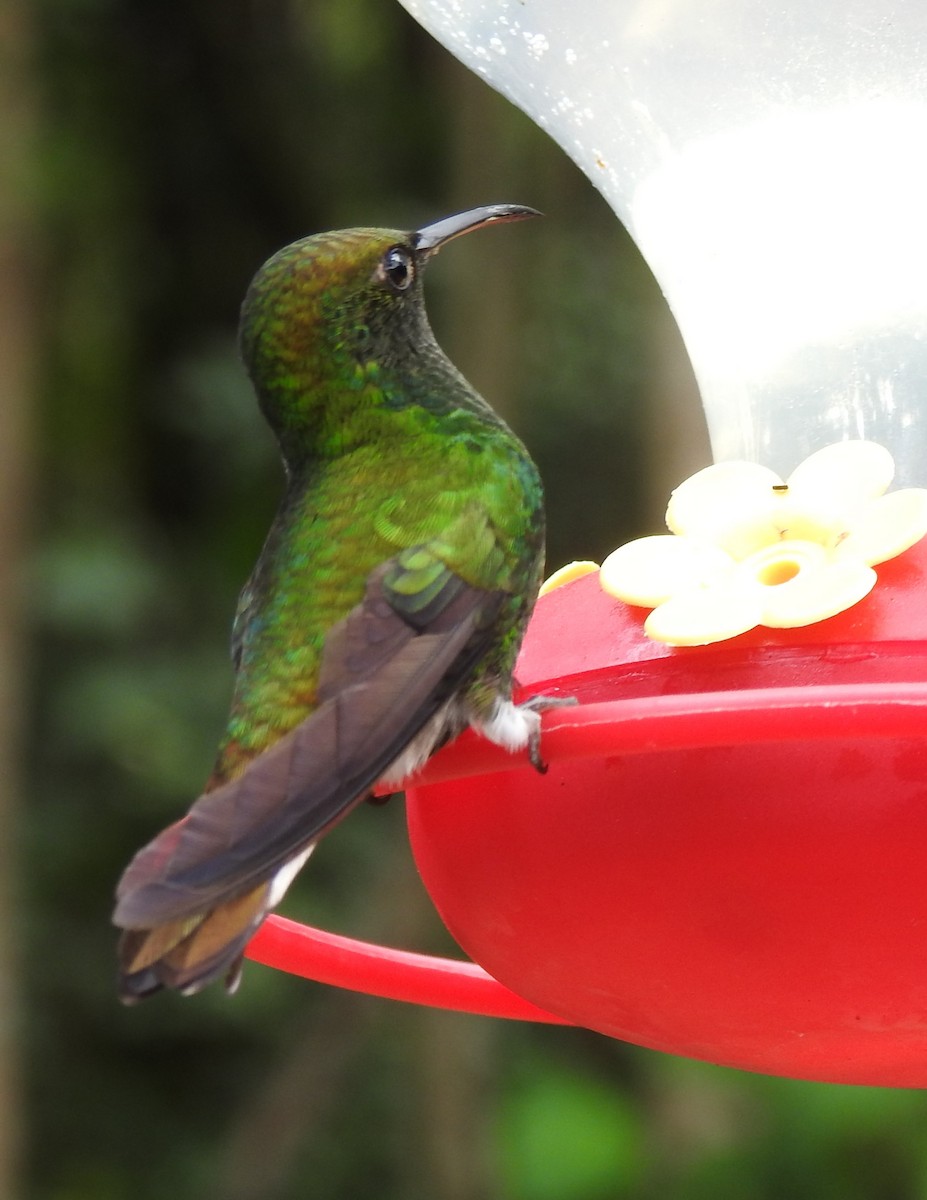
385	611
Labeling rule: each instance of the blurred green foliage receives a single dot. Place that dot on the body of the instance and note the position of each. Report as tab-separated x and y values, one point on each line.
180	144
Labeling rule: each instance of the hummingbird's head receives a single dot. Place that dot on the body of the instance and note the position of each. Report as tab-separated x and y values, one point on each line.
332	313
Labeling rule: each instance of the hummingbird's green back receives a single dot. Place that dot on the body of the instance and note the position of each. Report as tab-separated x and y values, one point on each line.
387	447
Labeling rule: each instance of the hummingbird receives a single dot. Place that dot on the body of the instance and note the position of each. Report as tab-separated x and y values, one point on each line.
385	611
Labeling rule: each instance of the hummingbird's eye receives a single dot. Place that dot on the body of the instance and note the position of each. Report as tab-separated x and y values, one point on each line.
397	268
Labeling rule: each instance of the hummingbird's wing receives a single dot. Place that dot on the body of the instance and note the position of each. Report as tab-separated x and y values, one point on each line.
387	668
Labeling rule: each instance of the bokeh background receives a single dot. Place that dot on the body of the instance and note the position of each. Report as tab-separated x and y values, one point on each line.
152	155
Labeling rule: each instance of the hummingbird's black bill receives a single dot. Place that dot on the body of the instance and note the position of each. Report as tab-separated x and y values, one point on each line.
433	237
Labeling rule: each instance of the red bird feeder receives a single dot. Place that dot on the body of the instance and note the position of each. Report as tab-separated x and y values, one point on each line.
725	859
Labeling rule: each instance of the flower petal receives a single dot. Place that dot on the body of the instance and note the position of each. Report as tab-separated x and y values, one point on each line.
706	499
887	526
842	476
742	507
704	615
573	570
817	593
649	570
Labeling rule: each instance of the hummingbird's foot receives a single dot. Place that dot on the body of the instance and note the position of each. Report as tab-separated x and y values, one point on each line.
516	726
539	704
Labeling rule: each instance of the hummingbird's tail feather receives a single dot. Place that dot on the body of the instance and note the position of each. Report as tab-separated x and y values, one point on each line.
186	954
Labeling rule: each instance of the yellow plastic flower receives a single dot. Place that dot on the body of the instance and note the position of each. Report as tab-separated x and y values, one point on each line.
748	549
573	570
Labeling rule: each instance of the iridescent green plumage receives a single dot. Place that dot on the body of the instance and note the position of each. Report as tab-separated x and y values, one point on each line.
387	606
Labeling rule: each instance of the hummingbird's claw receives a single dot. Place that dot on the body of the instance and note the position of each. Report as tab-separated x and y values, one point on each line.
542	703
539	704
534	754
